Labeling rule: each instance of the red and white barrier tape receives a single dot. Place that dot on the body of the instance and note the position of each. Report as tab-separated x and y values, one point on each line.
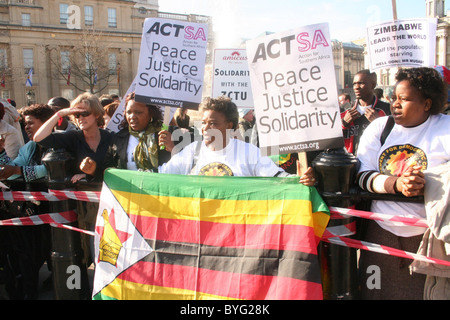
64	226
51	195
403	220
357	244
54	219
48	218
89	196
337	234
333	234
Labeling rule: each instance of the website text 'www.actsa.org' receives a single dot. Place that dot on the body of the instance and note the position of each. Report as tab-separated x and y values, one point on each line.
299	147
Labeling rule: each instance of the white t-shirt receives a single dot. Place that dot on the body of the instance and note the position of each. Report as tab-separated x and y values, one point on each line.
427	144
362	109
238	158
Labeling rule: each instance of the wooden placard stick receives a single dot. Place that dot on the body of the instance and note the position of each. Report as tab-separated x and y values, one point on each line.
303	163
394	9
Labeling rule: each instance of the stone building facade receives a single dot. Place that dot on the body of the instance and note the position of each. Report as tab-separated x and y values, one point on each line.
31	31
348	60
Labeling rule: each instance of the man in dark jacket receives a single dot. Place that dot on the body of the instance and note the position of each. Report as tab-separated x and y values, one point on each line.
366	109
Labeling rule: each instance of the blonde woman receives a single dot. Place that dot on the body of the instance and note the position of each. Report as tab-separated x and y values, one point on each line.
90	141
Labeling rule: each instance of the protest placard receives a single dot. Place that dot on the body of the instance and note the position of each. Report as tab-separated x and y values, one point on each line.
116	119
231	77
118	116
294	89
172	63
402	43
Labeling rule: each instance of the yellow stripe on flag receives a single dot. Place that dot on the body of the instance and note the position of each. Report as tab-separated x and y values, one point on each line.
287	212
127	290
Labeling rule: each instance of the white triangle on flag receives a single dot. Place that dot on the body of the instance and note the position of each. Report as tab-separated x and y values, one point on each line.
110	261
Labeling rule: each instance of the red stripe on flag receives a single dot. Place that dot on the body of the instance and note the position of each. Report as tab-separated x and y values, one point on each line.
269	236
225	284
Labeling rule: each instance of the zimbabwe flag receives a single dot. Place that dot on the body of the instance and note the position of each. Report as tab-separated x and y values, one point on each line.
162	236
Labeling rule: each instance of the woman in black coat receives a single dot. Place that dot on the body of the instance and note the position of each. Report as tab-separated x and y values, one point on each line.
135	146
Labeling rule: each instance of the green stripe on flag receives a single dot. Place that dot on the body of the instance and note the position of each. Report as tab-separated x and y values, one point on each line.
231	188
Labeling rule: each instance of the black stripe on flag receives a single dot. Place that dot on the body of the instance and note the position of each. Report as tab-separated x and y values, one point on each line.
265	262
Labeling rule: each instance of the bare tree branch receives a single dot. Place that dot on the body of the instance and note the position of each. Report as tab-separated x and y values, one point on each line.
87	60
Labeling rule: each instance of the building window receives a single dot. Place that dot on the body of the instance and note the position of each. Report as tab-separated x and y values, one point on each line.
348	80
26	19
3	59
28	60
112	18
63	13
112	63
65	62
88	15
6	95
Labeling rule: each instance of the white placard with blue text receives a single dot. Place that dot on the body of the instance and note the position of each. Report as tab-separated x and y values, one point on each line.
172	63
402	43
294	89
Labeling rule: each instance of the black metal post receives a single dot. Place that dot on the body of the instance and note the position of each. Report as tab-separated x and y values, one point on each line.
70	280
336	171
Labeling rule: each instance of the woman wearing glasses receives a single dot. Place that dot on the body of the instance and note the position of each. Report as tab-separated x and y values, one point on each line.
90	141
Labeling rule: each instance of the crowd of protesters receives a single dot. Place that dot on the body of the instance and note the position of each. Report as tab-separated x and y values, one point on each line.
413	116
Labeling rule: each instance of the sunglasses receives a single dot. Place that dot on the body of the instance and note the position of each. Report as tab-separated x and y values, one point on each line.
84	114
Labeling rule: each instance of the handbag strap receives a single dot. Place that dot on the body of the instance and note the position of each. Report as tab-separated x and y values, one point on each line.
387	129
